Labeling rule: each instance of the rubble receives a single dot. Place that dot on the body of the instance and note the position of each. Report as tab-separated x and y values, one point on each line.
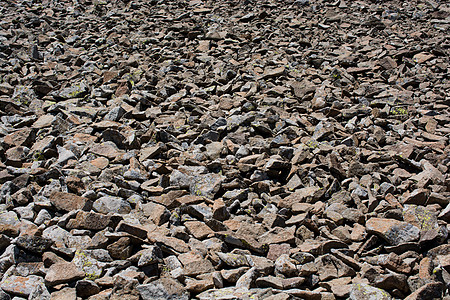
224	149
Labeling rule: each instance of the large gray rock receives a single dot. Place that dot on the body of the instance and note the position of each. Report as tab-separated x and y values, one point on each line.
163	288
109	204
360	291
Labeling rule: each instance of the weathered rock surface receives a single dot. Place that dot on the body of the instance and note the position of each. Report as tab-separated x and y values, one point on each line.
239	149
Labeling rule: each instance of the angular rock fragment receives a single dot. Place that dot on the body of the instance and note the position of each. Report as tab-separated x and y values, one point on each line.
62	273
393	231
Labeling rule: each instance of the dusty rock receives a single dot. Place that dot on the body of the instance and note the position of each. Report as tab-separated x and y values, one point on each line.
62	273
162	288
224	149
393	231
21	286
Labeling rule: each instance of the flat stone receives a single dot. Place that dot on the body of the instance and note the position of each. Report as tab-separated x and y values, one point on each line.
110	204
432	290
65	294
198	229
233	260
159	214
302	195
21	286
63	273
68	201
393	231
163	288
89	220
35	244
365	291
106	149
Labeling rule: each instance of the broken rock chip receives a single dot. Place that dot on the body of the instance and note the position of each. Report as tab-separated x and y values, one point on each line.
68	201
163	288
110	204
393	231
63	273
365	291
35	244
307	194
22	286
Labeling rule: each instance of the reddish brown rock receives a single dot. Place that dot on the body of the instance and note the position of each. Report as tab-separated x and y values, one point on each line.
69	201
63	273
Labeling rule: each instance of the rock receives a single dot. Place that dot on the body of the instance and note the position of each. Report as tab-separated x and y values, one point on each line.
194	265
365	291
198	229
63	273
305	194
89	221
120	249
89	263
329	267
428	291
232	293
162	288
75	91
393	231
340	287
22	286
86	288
65	293
233	260
149	256
247	279
445	214
135	230
198	286
34	244
418	196
107	149
109	204
69	201
159	214
285	266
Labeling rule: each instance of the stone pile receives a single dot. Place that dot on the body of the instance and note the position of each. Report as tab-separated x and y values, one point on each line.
251	149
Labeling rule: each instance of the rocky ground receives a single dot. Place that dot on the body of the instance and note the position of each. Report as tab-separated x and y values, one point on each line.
224	149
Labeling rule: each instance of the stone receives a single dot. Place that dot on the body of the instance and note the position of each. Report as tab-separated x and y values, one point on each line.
224	149
286	266
136	230
302	195
198	229
276	250
233	260
393	231
340	287
63	273
22	286
330	267
87	262
365	291
232	293
159	214
86	288
34	244
120	249
109	204
69	201
65	293
106	149
162	288
89	220
430	290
